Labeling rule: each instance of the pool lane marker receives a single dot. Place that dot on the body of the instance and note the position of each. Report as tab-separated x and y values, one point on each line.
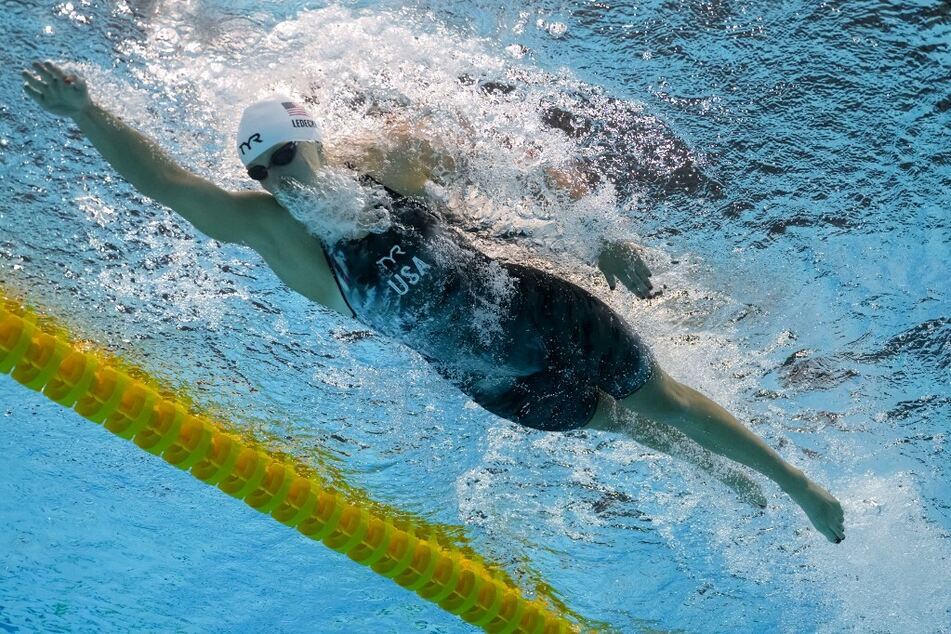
41	357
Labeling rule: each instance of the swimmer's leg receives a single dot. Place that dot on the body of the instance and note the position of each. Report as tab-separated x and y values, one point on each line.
664	400
610	416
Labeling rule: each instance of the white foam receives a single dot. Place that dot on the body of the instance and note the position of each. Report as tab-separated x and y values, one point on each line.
336	207
893	571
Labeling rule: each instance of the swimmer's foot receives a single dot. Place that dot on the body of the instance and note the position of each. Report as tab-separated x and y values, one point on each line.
823	510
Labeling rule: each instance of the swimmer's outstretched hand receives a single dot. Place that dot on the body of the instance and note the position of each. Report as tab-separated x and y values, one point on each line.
620	260
58	92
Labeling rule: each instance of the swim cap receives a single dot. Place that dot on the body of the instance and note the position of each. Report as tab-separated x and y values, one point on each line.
272	121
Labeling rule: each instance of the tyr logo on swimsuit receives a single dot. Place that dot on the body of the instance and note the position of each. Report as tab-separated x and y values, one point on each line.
402	277
256	137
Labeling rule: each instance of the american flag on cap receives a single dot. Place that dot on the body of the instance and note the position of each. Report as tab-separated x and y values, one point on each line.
294	110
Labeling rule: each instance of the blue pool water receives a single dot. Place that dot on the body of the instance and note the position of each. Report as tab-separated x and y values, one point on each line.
805	274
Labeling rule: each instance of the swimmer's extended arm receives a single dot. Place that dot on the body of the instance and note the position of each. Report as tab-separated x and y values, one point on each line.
220	214
251	218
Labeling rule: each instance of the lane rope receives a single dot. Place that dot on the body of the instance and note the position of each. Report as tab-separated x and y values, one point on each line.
43	358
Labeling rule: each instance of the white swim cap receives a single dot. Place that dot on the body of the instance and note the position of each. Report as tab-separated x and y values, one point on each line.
272	121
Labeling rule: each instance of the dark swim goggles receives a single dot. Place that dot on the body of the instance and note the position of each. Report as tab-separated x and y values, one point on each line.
283	156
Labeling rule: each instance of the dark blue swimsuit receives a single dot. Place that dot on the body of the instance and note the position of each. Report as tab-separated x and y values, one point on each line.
522	343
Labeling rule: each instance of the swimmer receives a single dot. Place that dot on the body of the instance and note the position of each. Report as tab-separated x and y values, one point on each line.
522	343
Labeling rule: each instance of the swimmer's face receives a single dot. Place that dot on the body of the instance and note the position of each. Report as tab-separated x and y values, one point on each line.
295	161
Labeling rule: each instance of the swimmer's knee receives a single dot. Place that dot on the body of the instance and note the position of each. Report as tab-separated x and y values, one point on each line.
660	393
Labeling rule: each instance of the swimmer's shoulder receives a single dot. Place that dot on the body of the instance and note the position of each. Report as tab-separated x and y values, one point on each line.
260	221
241	217
271	229
298	258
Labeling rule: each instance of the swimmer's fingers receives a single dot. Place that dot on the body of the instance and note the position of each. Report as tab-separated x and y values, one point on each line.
643	273
33	83
621	260
42	71
40	91
52	75
641	267
637	275
57	92
636	284
49	73
34	93
54	70
641	287
838	526
632	255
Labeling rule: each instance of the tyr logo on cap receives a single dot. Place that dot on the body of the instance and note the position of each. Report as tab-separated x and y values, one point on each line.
256	137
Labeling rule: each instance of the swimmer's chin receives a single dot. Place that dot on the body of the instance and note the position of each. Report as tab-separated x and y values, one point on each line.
289	190
335	209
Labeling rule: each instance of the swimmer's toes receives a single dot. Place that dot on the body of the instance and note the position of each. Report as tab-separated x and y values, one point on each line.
836	521
823	510
839	534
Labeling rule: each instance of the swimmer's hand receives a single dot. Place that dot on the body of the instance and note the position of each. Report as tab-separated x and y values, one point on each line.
620	260
58	92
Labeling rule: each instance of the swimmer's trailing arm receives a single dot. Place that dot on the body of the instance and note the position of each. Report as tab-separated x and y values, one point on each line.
220	214
617	259
421	161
